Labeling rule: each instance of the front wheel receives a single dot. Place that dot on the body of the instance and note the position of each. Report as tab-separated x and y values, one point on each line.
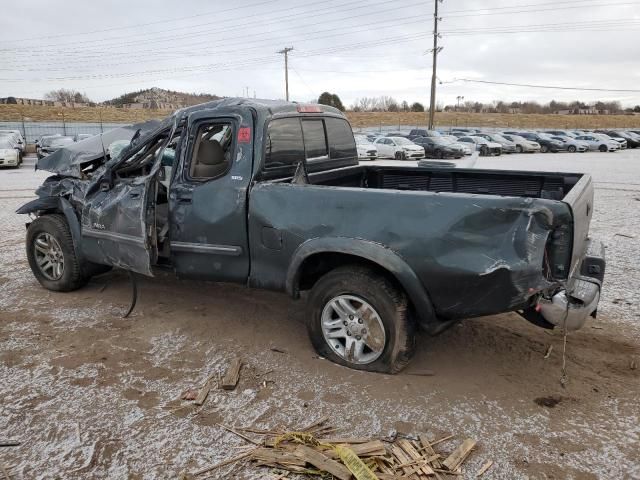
359	319
51	254
519	148
484	150
544	149
572	149
603	148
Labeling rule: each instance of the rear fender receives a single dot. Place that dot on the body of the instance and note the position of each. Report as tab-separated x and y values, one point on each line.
373	252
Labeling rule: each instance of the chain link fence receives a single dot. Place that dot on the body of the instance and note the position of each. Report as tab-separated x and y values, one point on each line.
33	130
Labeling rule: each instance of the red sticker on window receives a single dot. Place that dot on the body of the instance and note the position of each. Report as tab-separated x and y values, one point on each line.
244	135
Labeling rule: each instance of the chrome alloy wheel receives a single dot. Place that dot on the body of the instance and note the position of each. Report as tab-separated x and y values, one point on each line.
353	329
49	256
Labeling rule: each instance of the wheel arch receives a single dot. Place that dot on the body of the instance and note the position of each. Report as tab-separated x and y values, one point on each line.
316	257
49	205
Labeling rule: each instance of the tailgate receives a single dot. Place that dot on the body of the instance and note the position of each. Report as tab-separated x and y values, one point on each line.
580	200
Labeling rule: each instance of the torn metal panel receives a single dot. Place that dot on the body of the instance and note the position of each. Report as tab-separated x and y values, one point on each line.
68	161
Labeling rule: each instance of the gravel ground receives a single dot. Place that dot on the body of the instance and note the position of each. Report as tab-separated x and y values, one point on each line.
92	395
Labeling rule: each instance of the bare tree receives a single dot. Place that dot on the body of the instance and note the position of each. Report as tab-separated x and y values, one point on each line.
68	96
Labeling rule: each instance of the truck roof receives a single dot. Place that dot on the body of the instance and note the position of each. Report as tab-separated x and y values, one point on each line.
269	107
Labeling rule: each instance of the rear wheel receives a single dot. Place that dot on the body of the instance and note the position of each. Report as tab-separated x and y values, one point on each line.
439	154
572	149
51	255
484	150
544	149
603	148
519	148
359	319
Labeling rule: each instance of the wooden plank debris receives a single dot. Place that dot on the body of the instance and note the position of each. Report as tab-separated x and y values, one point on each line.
203	393
322	462
411	451
428	449
459	455
230	379
484	468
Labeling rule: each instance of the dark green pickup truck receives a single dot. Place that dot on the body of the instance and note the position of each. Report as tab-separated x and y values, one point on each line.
271	195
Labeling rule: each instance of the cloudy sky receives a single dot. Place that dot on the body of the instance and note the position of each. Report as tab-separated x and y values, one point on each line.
354	48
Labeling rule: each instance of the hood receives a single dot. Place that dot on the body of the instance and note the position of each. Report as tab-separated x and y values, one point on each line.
68	160
8	152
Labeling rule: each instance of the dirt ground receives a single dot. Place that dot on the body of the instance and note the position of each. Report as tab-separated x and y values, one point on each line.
92	395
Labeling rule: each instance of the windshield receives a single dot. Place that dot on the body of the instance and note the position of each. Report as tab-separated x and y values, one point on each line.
545	136
362	140
498	138
402	141
5	143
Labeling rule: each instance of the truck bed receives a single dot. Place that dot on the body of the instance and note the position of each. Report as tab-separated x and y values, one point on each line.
552	186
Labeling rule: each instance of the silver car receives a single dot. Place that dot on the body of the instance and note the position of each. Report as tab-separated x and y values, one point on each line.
572	144
523	145
507	145
598	144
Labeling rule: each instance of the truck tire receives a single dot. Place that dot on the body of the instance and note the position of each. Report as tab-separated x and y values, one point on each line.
51	255
359	319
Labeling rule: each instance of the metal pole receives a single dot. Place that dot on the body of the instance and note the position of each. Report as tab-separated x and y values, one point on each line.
286	51
432	103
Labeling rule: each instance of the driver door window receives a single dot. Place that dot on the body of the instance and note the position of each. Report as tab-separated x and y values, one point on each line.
212	151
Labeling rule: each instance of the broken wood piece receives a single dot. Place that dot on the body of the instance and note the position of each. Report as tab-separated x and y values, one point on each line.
484	468
459	455
444	439
322	462
244	437
230	379
428	449
422	373
273	456
402	458
549	350
373	448
411	451
203	393
224	463
391	476
349	440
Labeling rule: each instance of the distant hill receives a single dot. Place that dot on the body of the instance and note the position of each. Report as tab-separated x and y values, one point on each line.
158	98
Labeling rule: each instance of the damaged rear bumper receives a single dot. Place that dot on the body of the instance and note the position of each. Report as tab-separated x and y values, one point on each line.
570	307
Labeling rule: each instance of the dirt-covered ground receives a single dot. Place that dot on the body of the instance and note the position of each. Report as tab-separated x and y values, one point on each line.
91	395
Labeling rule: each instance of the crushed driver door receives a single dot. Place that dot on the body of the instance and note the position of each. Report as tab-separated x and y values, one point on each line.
118	219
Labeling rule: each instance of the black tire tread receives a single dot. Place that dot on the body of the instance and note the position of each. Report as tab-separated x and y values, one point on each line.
404	346
76	279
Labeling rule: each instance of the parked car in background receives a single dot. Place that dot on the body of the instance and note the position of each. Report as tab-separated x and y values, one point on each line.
561	133
396	134
48	145
595	143
399	148
372	136
507	145
482	145
421	132
42	137
632	141
460	134
572	144
438	147
547	143
619	140
19	138
81	136
9	152
465	146
365	147
522	144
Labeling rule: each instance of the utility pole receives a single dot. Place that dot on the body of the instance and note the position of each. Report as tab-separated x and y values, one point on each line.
435	51
286	51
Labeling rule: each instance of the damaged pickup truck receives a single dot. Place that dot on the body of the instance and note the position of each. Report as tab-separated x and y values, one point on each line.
271	195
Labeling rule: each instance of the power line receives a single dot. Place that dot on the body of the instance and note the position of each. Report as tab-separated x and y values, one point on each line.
552	87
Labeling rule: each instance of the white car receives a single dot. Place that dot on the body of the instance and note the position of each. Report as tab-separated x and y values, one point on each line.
366	149
18	136
599	144
9	152
482	145
572	144
621	141
399	148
